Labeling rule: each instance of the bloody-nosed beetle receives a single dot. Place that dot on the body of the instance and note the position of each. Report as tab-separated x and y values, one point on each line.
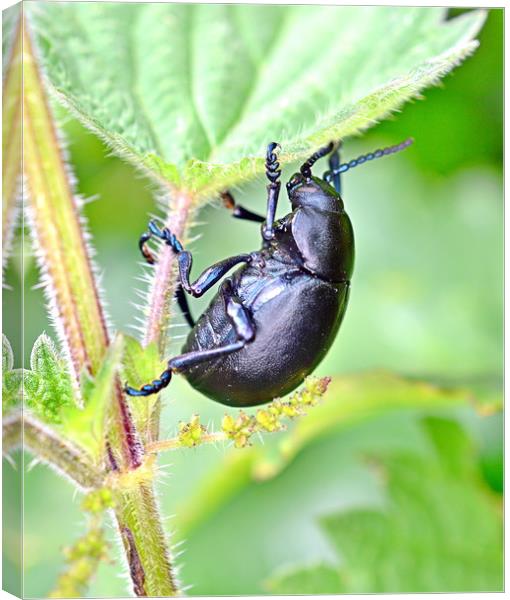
274	319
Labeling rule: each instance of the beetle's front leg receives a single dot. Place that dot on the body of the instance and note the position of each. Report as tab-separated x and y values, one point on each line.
273	190
185	260
182	300
210	276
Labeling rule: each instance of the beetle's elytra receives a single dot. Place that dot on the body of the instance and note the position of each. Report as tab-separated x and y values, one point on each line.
272	321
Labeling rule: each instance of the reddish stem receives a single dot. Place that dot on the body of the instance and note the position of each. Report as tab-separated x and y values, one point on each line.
163	285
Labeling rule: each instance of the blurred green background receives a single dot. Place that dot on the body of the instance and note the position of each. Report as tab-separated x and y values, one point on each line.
426	302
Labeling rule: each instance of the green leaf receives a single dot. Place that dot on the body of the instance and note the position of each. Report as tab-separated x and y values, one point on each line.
193	93
348	400
315	579
439	531
139	366
288	482
11	379
7	355
11	389
48	386
85	426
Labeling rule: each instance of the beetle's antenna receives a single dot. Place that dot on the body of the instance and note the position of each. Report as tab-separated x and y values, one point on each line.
306	168
329	175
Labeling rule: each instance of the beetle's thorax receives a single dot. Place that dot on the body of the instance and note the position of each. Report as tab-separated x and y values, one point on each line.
317	235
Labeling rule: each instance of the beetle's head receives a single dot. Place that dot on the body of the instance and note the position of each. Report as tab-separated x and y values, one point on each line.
313	192
308	191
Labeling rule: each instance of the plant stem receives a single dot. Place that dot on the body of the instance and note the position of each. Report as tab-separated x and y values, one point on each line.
55	223
11	142
162	290
65	260
176	443
163	285
144	540
67	458
11	431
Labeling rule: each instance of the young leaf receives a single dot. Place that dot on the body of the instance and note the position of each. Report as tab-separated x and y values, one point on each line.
11	379
193	93
141	365
86	425
439	531
48	386
7	355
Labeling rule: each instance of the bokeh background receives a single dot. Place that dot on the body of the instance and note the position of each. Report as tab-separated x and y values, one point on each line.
427	301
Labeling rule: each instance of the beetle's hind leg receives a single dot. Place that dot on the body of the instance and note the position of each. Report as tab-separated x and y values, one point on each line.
245	331
238	211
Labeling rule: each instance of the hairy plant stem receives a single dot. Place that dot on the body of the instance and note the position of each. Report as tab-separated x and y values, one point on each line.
143	537
161	293
11	431
163	285
176	443
51	448
64	258
11	143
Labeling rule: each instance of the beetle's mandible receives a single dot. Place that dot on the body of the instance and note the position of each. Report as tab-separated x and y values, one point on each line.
273	320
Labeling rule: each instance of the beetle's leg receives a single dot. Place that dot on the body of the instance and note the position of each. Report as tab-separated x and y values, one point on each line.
182	300
334	163
181	362
245	331
238	211
142	244
210	276
237	313
185	260
273	190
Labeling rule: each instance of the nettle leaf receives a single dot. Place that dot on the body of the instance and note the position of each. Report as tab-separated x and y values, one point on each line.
48	386
49	392
11	378
139	366
193	93
312	580
85	426
7	355
439	531
350	399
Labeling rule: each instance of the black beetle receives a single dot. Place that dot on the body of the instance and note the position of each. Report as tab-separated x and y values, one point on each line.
274	319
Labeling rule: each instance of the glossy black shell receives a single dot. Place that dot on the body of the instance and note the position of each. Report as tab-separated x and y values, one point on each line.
296	290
